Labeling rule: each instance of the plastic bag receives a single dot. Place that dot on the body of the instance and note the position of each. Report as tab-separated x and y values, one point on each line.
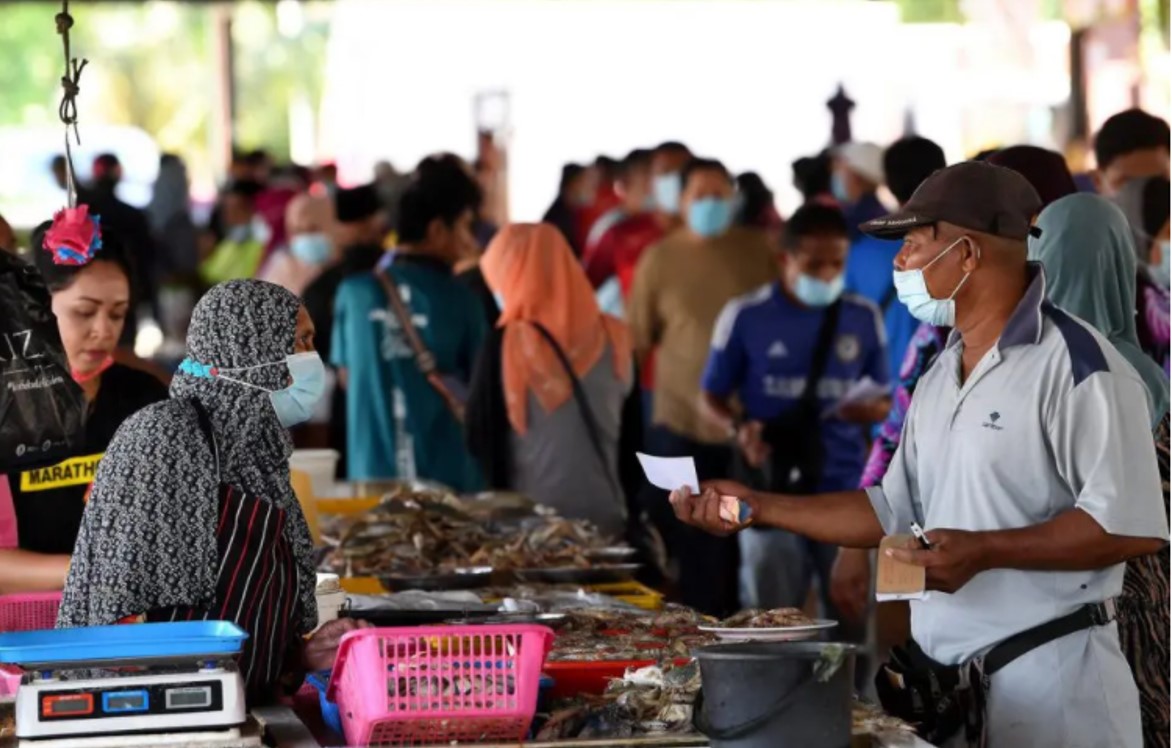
42	410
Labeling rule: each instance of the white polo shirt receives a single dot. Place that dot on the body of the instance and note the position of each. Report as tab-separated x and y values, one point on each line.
1051	419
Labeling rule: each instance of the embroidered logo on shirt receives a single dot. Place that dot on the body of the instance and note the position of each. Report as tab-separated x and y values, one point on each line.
848	348
994	417
778	350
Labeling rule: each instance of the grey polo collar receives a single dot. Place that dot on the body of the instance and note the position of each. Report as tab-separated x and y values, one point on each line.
1025	324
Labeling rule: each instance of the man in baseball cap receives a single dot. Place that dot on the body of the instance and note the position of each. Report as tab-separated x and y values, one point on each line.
1027	457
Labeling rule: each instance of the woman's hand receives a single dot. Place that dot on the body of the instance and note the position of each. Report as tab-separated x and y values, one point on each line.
322	647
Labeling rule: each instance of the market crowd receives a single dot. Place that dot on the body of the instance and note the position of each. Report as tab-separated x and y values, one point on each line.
979	348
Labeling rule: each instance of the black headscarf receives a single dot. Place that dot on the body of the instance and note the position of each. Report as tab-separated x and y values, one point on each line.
148	535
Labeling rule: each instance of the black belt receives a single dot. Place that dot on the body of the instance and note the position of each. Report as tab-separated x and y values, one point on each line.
1088	616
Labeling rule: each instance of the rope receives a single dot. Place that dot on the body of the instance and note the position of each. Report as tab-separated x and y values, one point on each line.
68	109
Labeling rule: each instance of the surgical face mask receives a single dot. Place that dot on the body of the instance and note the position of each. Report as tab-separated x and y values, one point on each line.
312	249
667	189
913	293
293	404
816	292
239	234
710	217
838	187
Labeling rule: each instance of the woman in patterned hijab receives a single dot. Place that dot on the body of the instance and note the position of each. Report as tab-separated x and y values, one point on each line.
185	525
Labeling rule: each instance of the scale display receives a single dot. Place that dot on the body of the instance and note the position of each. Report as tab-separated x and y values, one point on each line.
104	702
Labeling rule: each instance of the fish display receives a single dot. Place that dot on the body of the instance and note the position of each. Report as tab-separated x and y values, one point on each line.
599	635
767	619
416	531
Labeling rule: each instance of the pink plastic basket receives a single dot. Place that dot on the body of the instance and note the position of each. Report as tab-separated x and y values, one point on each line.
29	612
435	684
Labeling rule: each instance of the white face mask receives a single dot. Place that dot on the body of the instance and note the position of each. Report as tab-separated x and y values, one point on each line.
913	293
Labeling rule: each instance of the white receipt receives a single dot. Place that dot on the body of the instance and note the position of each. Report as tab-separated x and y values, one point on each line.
862	391
670	473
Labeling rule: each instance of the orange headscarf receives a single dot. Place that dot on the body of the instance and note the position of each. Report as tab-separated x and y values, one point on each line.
532	268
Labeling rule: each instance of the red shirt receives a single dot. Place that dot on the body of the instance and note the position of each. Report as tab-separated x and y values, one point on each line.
618	251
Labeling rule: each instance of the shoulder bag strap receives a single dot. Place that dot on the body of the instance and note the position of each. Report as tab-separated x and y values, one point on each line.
821	353
588	418
424	358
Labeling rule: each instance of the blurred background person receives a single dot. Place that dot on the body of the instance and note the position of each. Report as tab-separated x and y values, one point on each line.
757	207
555	378
402	421
1086	248
576	191
906	163
680	286
91	303
855	176
309	248
1145	203
57	169
812	177
633	186
1046	170
131	226
606	199
240	253
169	213
7	236
788	352
667	166
1130	145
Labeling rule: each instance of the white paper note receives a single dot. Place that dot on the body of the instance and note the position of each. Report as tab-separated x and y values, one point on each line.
862	391
670	473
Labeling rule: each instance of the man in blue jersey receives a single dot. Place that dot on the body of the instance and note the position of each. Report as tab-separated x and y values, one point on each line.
791	352
906	164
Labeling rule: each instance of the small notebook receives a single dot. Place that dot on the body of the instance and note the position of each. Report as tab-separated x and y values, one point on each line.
895	580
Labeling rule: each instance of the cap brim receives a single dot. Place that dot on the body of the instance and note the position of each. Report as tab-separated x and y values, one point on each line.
895	225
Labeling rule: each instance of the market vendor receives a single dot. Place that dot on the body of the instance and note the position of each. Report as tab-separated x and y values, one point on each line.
90	302
192	515
1028	455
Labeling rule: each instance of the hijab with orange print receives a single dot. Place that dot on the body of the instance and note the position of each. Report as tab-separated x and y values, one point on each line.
532	270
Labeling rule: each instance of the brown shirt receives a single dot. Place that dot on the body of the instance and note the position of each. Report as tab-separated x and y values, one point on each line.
681	284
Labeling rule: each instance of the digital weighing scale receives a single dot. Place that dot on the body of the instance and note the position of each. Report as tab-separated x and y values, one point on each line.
122	680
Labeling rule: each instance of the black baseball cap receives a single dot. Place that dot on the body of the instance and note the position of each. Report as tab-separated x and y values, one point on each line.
974	195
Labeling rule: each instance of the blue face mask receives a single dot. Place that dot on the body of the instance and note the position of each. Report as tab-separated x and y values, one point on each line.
838	187
293	404
312	249
815	292
913	292
667	189
710	217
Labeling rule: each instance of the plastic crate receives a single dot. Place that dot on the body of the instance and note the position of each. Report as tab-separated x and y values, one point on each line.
436	684
635	593
29	612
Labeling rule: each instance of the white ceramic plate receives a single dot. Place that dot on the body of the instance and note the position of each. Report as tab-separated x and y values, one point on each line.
781	634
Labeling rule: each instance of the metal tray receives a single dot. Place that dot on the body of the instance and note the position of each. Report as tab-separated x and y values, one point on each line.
613	554
575	575
459	579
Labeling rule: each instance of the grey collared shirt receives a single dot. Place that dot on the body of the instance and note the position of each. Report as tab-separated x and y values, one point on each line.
1051	419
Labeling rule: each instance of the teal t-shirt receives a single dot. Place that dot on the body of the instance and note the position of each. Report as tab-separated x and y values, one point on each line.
397	425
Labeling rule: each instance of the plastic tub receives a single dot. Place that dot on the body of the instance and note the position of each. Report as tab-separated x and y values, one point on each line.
319	464
437	684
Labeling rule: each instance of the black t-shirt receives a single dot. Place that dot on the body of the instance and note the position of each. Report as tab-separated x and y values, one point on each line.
49	501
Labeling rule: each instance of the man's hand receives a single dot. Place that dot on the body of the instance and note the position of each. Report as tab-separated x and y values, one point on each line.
322	647
866	413
956	557
703	510
850	582
752	446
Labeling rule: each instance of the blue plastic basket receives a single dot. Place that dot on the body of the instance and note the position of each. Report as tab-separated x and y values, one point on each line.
329	710
124	642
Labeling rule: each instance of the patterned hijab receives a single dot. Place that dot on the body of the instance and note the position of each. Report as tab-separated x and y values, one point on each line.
532	268
148	535
1087	250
